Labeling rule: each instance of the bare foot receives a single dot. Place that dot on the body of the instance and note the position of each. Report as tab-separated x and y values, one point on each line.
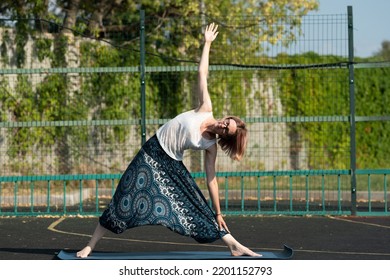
240	250
236	248
84	252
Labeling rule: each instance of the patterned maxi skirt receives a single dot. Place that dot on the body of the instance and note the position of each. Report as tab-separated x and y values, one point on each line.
158	190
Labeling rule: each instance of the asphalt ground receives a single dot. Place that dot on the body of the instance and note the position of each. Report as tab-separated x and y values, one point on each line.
312	238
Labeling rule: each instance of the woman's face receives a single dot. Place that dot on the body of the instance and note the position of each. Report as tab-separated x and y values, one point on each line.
226	127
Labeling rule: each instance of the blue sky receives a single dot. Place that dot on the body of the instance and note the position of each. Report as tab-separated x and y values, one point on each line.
371	22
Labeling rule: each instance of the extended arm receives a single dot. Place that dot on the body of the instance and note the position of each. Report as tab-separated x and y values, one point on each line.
204	98
212	184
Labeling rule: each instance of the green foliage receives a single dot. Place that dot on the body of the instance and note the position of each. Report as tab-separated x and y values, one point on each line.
228	92
43	48
60	51
173	30
5	43
166	95
372	99
326	93
112	95
22	108
21	38
384	53
316	92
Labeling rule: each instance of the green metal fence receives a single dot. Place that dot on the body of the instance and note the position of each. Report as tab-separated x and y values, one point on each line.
315	147
303	192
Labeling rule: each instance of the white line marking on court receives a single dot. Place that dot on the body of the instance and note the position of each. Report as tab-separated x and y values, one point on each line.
358	222
342	252
52	227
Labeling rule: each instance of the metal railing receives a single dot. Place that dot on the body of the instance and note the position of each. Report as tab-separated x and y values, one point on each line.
301	192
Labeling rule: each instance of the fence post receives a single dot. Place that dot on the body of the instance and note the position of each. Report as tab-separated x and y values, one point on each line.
142	73
352	111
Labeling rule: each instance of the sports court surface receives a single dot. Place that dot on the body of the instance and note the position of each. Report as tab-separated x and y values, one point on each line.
311	238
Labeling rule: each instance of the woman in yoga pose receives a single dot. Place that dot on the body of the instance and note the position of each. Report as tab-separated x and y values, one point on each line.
157	189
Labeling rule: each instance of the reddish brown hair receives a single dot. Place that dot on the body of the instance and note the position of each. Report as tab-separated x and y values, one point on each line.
234	145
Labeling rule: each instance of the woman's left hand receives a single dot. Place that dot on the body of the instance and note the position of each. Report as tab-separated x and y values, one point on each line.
221	223
211	32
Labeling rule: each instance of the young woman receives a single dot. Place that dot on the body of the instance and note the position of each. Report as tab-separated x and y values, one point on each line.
157	189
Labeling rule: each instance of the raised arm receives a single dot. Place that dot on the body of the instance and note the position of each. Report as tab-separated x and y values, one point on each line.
204	98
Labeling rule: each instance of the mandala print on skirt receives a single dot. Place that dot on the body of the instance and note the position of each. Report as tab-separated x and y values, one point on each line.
158	190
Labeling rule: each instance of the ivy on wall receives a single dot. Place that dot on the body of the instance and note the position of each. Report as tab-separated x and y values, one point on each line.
110	96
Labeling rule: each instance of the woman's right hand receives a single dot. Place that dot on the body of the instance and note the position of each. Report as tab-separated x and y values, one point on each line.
221	223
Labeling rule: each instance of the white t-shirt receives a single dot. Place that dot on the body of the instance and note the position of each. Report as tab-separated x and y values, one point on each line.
182	133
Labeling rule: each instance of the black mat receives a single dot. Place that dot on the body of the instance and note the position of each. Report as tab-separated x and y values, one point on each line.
287	253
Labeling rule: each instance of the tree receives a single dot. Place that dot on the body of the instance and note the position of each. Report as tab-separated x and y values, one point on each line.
173	27
384	53
174	35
